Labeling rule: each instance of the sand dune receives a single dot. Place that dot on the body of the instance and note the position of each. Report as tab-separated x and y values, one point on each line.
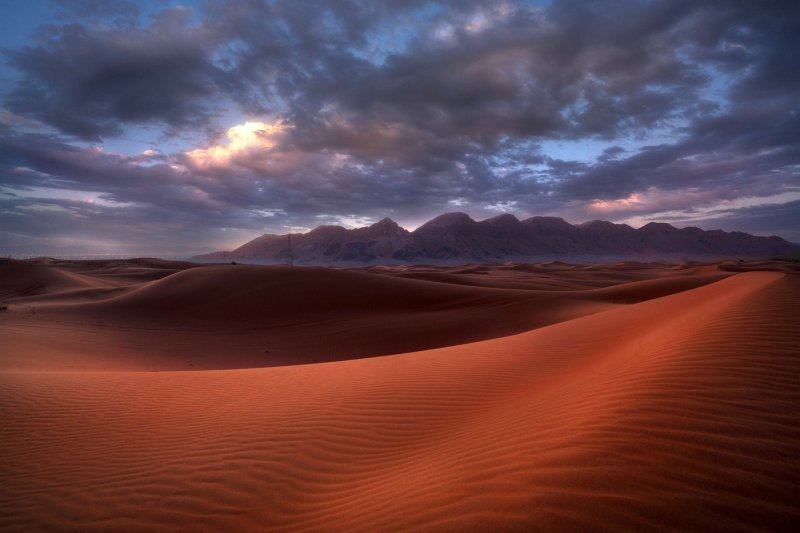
245	316
20	280
555	275
680	412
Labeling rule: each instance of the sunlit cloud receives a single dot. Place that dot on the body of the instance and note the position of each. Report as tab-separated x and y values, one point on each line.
611	206
242	139
657	200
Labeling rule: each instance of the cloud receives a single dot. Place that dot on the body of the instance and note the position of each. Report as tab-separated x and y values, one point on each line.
90	81
764	218
357	110
243	139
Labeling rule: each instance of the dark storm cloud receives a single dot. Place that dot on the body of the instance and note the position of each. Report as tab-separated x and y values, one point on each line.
412	108
90	81
757	149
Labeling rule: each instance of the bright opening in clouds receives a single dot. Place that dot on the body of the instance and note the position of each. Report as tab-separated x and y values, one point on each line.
175	128
243	138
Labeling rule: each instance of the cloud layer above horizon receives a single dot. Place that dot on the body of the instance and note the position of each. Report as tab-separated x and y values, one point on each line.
172	128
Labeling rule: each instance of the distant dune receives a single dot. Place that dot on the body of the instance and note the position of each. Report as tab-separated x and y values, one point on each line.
623	396
238	316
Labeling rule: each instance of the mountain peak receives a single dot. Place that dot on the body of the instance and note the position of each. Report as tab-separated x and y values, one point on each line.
385	222
506	219
449	220
554	220
327	229
596	224
546	224
454	216
605	226
385	227
657	226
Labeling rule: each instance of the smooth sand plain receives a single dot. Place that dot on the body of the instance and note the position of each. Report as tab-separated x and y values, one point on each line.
148	395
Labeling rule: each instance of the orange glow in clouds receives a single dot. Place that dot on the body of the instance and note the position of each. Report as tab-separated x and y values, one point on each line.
242	138
621	204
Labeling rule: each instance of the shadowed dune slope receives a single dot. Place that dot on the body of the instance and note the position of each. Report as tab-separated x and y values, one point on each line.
255	293
640	291
20	280
553	276
681	412
41	282
246	316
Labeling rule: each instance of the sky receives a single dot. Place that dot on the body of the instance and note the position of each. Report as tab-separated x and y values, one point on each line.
165	127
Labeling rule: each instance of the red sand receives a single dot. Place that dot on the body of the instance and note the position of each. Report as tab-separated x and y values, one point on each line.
615	412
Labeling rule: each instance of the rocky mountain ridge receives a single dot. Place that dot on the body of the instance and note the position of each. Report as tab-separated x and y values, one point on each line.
456	237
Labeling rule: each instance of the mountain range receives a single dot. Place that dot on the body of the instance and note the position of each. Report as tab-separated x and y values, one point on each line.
455	237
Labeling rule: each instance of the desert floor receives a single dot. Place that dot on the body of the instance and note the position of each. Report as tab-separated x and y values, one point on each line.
153	395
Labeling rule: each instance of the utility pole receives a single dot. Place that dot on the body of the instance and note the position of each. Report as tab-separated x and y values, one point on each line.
291	256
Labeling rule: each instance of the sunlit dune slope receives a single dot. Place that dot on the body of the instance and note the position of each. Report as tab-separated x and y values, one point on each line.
681	412
245	316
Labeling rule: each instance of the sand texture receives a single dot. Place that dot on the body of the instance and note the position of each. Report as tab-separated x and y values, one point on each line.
516	397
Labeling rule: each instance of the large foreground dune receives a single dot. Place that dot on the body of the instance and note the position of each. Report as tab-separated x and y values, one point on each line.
636	397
